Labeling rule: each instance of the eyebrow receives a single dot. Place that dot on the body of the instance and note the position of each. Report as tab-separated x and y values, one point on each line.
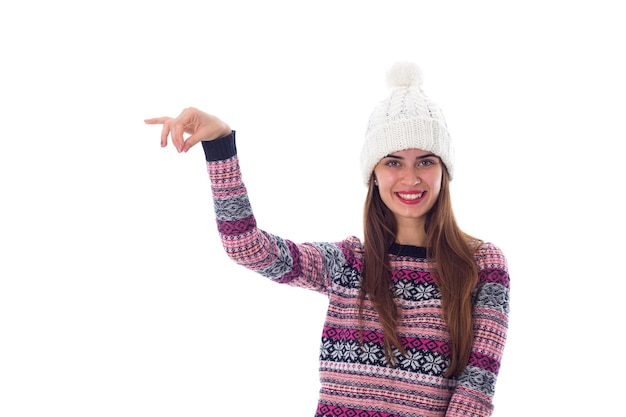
428	155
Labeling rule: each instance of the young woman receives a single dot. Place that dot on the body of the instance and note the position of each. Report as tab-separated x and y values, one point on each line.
418	310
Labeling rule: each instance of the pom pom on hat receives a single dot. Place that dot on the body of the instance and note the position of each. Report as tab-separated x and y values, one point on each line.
407	119
405	74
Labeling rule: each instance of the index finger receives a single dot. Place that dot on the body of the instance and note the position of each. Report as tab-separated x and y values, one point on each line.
166	129
156	120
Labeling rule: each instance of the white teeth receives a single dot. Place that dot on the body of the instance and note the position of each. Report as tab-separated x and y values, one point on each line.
410	196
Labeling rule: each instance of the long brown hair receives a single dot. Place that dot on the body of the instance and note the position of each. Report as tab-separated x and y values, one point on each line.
454	270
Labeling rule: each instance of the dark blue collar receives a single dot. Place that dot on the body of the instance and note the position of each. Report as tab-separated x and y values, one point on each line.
408	250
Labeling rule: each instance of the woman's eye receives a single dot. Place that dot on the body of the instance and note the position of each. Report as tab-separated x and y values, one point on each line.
392	163
426	163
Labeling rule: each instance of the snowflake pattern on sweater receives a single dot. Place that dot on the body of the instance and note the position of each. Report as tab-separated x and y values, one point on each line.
355	379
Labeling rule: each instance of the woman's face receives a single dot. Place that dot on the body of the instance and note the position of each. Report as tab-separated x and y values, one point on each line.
409	183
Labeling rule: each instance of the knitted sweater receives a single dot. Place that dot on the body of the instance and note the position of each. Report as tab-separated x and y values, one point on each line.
355	378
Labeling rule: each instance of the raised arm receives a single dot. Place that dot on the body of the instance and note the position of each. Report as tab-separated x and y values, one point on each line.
305	265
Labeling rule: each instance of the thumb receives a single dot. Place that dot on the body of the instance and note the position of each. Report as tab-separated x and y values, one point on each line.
191	141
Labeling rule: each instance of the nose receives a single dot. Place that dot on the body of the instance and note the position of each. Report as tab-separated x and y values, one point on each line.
411	178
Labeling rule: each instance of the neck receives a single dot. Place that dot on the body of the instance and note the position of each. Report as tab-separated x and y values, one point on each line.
411	233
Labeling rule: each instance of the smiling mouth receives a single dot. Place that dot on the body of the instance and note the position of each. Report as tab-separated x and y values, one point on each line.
410	196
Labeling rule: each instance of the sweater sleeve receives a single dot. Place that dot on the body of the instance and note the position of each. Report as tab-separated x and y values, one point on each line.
302	265
476	385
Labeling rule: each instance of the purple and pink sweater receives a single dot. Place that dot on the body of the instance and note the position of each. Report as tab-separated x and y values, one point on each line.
355	378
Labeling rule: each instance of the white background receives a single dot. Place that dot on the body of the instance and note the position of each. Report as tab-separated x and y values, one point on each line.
116	298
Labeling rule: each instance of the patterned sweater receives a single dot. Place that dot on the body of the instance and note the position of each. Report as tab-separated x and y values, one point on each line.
355	378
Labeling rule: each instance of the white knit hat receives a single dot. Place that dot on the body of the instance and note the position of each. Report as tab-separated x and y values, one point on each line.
406	120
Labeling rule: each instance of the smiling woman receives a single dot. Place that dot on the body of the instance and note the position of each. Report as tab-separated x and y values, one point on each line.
417	312
409	182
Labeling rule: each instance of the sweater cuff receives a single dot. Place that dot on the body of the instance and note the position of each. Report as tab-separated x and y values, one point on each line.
221	148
